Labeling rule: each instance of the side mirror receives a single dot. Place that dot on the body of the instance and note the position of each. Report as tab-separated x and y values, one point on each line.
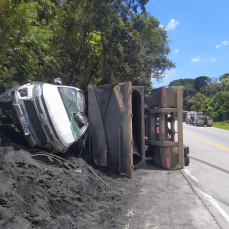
58	81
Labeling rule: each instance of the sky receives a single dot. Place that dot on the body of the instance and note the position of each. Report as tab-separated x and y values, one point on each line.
198	31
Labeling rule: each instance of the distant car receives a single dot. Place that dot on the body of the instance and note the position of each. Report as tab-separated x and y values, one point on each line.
50	116
208	121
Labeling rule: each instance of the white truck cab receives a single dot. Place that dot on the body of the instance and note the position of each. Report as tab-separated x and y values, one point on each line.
50	116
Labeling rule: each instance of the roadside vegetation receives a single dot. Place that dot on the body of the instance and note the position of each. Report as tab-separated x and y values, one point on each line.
222	125
82	41
209	95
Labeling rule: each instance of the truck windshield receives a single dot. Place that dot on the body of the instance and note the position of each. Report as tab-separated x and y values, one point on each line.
74	101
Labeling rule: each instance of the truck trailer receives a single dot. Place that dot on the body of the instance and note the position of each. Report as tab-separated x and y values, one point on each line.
127	127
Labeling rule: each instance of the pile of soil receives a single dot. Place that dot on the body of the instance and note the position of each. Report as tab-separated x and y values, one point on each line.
35	193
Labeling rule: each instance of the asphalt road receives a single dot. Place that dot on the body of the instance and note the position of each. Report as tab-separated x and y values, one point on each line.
208	171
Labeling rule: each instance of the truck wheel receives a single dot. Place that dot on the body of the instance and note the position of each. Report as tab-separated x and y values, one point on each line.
186	150
186	160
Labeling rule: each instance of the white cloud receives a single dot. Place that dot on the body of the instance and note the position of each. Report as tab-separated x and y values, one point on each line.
213	60
165	74
161	26
170	73
222	43
195	59
176	51
172	24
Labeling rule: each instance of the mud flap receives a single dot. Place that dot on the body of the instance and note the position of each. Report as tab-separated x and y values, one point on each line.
169	157
165	157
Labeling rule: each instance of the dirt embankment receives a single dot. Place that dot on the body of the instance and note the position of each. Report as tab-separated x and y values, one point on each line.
35	193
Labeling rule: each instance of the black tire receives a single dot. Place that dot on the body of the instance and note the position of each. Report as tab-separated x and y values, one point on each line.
186	150
186	161
185	94
185	102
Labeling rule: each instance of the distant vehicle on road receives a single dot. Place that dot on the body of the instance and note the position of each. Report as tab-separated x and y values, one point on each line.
199	118
207	120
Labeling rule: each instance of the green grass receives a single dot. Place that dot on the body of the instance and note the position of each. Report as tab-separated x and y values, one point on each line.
222	125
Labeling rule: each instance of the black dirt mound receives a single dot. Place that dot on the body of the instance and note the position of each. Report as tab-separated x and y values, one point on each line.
34	194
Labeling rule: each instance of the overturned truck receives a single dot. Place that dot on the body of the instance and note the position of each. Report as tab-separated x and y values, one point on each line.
127	127
48	116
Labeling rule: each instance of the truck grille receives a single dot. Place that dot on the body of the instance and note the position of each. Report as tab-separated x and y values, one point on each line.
45	126
35	123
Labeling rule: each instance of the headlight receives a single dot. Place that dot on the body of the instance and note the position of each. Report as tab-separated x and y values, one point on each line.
23	92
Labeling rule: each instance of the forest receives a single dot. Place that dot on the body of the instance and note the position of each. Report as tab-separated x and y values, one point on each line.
95	42
81	41
209	95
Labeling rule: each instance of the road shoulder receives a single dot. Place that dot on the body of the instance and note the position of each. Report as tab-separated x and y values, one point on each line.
166	200
220	216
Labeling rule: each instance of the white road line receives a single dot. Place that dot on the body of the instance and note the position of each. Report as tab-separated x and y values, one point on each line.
213	201
208	197
188	173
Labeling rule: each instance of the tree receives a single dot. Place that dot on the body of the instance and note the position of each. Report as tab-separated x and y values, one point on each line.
196	102
25	44
188	86
192	105
153	47
224	76
212	88
177	84
209	95
201	81
111	49
208	107
218	101
225	83
82	41
191	92
182	82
